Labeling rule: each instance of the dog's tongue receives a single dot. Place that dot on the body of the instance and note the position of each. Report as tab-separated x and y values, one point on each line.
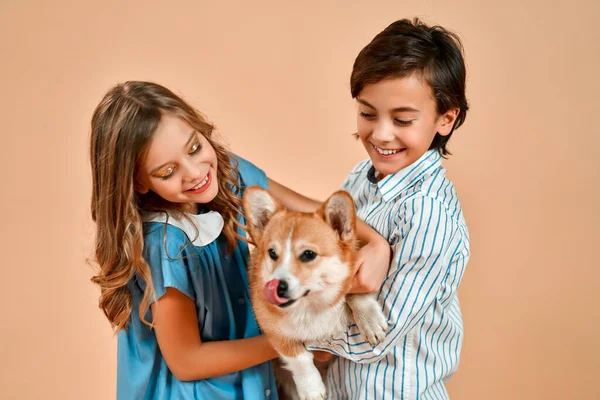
270	291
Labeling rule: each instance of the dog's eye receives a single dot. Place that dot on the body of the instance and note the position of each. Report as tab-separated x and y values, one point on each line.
273	255
307	256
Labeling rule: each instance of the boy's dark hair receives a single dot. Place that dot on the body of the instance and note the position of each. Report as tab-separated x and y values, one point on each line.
406	47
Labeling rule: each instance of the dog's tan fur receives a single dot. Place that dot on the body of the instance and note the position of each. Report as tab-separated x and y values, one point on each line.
330	233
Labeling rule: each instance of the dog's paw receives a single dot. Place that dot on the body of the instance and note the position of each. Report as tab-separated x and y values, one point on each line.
370	321
314	391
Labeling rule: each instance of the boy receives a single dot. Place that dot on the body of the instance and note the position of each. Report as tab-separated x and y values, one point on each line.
409	84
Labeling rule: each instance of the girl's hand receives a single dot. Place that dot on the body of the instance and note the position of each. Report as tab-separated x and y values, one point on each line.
373	265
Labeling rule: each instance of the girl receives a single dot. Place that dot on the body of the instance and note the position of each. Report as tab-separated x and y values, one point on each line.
171	250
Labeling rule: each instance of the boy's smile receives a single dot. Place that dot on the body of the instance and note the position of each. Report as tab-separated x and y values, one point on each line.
398	120
386	153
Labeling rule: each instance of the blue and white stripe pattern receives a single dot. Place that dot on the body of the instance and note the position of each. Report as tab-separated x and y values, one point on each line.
417	210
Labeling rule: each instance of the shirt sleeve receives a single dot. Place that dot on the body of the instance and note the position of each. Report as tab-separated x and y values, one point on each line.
250	174
358	170
421	256
168	251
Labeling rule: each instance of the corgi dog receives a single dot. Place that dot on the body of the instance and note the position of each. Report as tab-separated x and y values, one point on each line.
301	270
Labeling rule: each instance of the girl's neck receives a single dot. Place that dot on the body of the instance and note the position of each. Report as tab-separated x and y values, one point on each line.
191	208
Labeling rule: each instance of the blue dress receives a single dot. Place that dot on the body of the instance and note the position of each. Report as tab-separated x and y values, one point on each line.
218	284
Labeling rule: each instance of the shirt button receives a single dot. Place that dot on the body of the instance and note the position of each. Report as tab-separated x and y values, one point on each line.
241	300
268	392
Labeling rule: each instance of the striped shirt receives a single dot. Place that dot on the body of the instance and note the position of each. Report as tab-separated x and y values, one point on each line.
417	211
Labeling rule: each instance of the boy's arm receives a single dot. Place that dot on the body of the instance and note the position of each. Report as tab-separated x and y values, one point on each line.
373	258
410	289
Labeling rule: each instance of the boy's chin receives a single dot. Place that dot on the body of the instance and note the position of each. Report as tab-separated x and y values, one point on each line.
390	166
385	168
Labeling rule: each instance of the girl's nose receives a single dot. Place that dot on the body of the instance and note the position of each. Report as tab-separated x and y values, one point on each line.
191	171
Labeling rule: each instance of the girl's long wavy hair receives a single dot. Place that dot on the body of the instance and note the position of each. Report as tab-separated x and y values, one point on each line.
123	125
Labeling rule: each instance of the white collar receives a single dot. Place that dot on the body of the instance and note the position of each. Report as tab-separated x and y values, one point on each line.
201	229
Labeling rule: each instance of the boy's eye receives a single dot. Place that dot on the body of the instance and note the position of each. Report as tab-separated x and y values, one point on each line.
366	115
308	255
402	122
273	255
195	148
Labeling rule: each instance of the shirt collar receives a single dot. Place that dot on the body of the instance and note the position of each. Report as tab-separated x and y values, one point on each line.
201	229
392	185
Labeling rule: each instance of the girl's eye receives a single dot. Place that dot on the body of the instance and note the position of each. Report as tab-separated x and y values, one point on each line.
195	148
366	116
273	255
307	256
166	174
402	122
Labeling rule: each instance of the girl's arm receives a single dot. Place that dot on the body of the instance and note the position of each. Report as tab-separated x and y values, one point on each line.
188	358
373	258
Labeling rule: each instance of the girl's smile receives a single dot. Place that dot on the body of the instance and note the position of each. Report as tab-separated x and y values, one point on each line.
202	186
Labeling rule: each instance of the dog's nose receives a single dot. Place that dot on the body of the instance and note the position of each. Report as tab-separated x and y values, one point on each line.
282	289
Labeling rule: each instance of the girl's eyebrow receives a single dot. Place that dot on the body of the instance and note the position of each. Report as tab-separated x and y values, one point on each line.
192	136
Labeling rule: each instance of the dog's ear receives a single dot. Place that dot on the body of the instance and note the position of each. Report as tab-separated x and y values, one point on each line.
338	211
258	207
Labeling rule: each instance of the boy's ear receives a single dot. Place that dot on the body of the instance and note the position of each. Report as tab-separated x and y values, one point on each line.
446	121
138	187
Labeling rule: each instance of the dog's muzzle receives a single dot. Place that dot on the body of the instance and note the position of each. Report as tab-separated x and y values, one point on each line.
276	292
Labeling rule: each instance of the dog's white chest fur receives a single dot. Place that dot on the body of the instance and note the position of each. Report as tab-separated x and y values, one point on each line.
305	325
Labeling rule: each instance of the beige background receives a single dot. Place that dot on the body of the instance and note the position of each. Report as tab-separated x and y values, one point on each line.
274	76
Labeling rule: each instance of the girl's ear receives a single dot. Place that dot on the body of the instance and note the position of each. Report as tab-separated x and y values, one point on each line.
446	121
138	187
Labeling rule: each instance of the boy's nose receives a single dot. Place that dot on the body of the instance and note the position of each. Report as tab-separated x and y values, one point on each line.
383	133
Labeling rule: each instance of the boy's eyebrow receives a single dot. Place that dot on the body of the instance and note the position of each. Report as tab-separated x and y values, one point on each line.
405	109
397	109
192	136
363	102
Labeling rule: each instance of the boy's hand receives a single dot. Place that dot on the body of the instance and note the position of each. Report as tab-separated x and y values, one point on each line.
373	264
